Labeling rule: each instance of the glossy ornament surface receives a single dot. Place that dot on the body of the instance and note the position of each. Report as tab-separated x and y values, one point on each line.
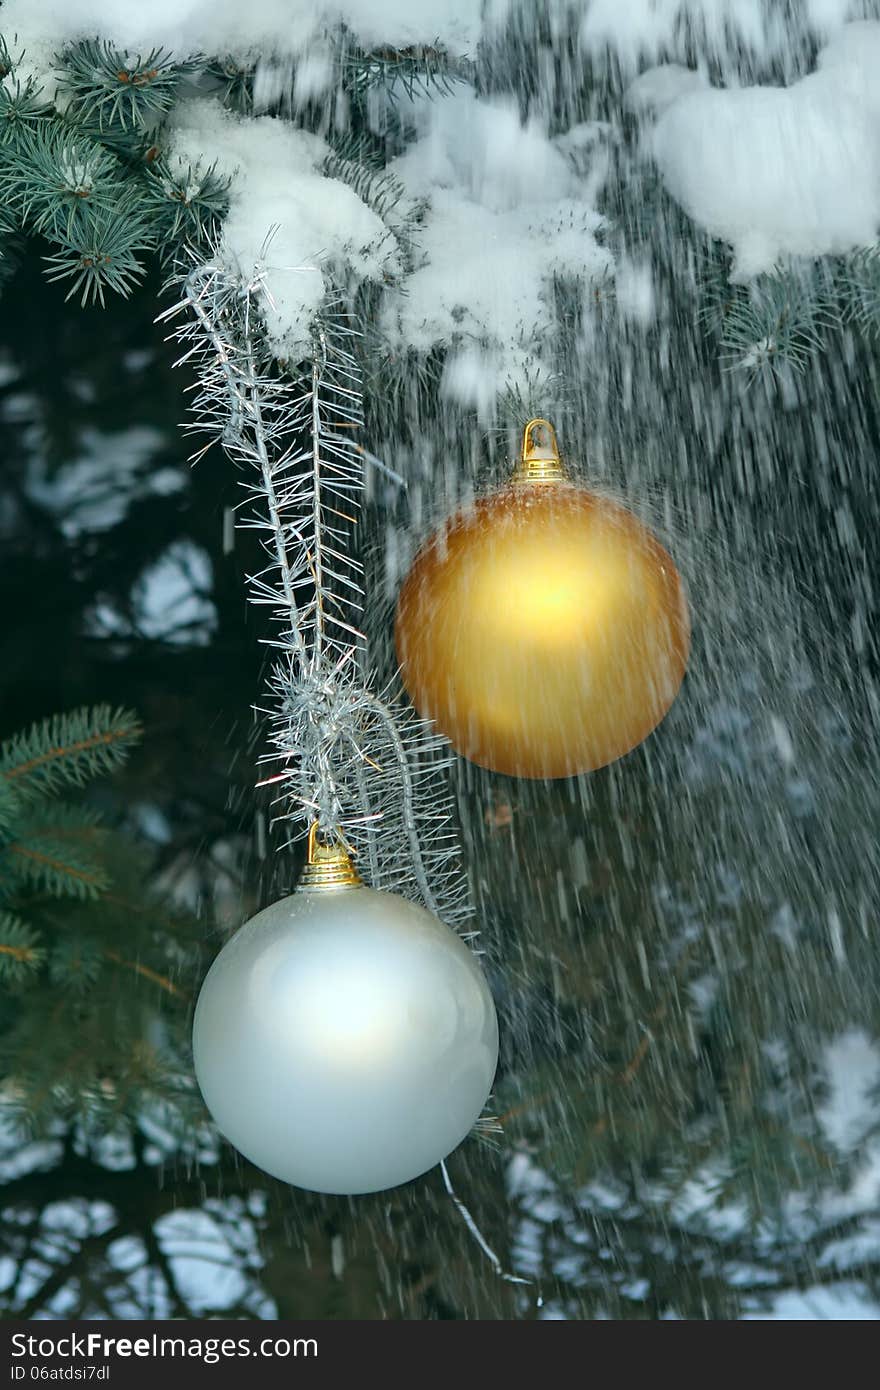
544	629
345	1040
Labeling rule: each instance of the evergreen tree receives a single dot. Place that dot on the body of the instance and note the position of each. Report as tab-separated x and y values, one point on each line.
673	941
79	918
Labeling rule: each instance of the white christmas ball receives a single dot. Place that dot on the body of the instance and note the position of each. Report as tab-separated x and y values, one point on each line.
345	1041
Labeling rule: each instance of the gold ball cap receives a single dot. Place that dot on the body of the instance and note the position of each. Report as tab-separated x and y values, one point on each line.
328	868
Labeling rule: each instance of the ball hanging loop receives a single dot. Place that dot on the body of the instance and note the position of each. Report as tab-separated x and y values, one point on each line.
328	868
539	460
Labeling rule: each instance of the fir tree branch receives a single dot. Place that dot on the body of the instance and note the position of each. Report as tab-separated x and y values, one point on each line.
21	109
157	1257
110	88
20	952
161	980
237	81
10	807
44	862
776	322
188	201
75	962
860	288
382	192
59	177
40	1300
101	252
417	69
68	749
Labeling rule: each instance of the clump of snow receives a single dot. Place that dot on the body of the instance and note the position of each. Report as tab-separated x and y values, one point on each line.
582	137
506	214
317	224
470	377
483	150
852	59
852	1065
267	27
827	15
781	734
170	602
657	88
847	1301
643	29
171	597
634	292
639	31
314	76
207	1264
782	171
635	31
93	490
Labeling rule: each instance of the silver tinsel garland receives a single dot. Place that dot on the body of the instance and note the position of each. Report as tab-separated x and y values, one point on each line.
363	766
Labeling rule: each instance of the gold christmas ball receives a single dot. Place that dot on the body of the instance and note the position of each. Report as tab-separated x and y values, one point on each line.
544	629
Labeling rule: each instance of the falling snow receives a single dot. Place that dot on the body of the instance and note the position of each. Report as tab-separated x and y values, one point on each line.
722	880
